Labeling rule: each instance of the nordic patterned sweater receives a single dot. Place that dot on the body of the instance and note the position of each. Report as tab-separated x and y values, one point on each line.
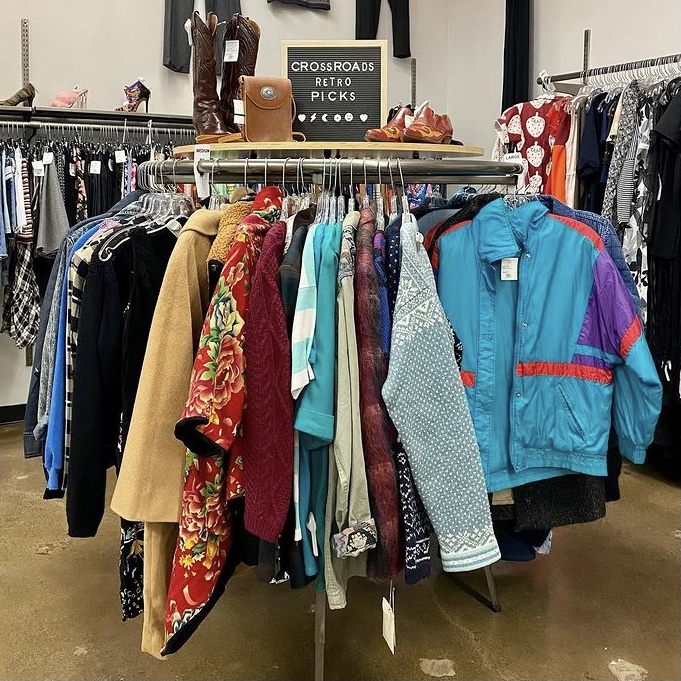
426	401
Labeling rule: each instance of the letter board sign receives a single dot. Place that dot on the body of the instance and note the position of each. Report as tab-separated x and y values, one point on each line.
339	86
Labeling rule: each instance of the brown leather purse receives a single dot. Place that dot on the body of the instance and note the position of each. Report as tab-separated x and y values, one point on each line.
269	109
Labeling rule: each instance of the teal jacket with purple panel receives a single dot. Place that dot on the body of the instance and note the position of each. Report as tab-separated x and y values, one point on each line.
550	349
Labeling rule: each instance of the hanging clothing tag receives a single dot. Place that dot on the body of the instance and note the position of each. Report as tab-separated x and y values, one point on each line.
502	498
509	269
38	168
513	157
48	157
388	607
201	153
231	50
95	167
312	526
72	169
119	155
239	112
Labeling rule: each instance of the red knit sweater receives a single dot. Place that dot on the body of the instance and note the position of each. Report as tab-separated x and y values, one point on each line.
268	419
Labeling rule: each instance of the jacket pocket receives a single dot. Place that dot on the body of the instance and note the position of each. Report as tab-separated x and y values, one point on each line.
574	416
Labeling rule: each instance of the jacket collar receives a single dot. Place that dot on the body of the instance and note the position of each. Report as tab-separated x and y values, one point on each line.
203	221
501	232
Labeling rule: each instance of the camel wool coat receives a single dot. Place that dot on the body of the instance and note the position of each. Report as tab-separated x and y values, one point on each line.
149	486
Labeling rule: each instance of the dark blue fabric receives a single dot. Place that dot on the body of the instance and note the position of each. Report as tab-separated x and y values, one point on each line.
603	227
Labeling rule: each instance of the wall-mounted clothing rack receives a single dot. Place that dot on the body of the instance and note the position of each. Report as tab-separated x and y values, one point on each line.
46	114
613	68
276	170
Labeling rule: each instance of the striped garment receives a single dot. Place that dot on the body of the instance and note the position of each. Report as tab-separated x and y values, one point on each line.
304	319
76	275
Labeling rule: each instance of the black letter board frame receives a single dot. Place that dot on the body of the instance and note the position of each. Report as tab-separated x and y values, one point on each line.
341	91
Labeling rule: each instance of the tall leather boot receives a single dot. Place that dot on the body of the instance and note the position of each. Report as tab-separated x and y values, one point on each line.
208	119
247	32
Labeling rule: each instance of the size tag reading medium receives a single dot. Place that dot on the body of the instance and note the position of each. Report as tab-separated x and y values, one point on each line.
231	50
201	153
119	155
509	269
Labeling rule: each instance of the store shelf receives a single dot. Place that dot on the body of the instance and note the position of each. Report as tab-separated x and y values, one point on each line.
368	149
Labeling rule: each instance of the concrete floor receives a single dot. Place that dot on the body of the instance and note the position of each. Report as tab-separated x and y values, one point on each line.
609	590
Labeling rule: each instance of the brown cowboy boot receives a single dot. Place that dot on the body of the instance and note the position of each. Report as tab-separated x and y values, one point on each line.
208	120
247	32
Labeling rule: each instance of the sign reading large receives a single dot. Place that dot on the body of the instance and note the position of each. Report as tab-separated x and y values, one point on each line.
339	86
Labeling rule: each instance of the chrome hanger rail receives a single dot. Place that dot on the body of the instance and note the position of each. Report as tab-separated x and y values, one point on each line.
83	116
440	171
613	68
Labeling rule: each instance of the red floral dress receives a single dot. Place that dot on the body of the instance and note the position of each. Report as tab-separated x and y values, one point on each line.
211	428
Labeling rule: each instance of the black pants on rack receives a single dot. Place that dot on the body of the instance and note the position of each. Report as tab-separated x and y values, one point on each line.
176	50
516	87
367	13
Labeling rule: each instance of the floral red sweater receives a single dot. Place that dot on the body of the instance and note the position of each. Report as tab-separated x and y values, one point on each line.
211	429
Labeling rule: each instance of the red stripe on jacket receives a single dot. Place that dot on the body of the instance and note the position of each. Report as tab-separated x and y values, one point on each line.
583	229
468	378
582	371
631	335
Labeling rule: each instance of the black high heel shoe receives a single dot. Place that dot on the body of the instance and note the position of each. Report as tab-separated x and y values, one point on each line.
26	94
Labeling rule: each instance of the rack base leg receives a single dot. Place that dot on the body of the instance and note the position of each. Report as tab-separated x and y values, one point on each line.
319	634
493	601
492	586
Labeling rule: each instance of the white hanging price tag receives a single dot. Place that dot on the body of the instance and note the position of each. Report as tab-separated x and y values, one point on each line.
95	167
509	269
48	157
38	168
201	153
119	156
388	607
239	111
72	169
231	50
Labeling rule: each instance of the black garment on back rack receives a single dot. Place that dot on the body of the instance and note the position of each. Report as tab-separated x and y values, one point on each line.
664	248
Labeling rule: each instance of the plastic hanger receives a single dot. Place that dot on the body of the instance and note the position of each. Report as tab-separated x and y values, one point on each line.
380	217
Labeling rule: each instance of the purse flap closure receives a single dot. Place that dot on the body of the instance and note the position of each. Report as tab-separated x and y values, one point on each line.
266	93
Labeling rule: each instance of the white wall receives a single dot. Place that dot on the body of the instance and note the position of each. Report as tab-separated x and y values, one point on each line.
621	31
14	374
105	45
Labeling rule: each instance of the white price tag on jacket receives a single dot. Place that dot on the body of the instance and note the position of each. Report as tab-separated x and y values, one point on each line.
231	50
119	155
48	157
509	269
38	168
201	153
95	167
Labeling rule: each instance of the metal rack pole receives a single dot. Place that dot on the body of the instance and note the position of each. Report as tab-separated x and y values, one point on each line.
615	68
445	171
